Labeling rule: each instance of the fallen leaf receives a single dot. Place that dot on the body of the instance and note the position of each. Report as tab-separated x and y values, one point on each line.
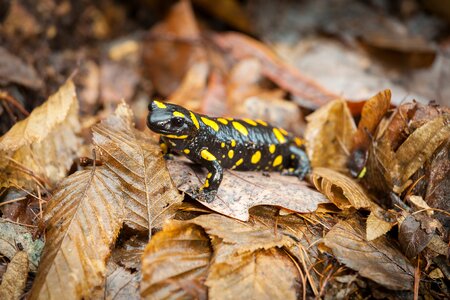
175	263
13	234
413	239
45	143
15	277
171	47
417	149
118	81
377	260
241	190
376	227
83	219
246	237
329	135
14	70
419	203
129	253
340	189
119	284
240	46
137	161
263	274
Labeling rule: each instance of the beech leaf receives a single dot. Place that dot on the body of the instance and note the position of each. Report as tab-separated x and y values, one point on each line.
83	220
377	260
137	160
241	190
175	263
15	277
376	227
45	143
263	274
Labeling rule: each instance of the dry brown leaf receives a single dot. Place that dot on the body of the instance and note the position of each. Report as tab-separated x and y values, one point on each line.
308	92
342	190
119	284
14	70
241	190
412	237
15	277
246	237
171	48
263	274
417	149
45	142
175	263
377	260
137	160
376	227
329	135
83	219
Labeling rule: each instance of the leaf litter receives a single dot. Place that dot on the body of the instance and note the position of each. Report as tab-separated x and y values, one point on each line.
373	219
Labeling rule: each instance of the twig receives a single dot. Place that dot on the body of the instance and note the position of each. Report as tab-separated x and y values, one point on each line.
13	200
417	279
8	98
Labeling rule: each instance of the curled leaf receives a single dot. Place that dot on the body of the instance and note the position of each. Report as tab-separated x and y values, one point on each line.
342	190
15	277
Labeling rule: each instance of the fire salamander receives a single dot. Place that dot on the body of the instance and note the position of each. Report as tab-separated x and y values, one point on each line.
226	143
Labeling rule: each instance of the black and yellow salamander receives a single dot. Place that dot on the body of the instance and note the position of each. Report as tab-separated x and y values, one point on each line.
226	143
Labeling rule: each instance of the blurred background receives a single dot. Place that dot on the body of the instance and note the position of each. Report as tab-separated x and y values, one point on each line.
287	58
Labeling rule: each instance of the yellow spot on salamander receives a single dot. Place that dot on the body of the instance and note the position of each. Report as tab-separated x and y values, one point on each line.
298	141
194	120
251	122
279	136
278	160
210	123
229	119
172	136
187	151
362	173
239	162
160	104
256	157
233	143
222	145
239	127
209	175
223	121
178	114
206	183
292	156
164	148
230	154
205	154
261	122
283	131
272	148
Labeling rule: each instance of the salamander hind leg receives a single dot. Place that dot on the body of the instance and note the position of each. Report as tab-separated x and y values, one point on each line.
300	163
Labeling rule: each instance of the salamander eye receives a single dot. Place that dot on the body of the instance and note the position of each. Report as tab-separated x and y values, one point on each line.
176	122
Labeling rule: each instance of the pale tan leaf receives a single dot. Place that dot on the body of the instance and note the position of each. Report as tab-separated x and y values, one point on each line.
15	277
342	190
329	135
263	274
137	160
245	236
175	263
417	149
419	203
83	220
240	191
377	260
45	143
376	227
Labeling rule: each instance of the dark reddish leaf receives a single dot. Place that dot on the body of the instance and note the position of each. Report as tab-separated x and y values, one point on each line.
413	239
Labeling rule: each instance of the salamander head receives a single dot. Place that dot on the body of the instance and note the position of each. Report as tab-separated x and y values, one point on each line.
171	120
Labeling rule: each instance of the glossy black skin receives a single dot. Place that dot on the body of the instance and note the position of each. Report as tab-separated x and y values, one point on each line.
219	142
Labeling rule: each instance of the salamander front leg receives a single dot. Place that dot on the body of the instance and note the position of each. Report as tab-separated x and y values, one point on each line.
212	182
